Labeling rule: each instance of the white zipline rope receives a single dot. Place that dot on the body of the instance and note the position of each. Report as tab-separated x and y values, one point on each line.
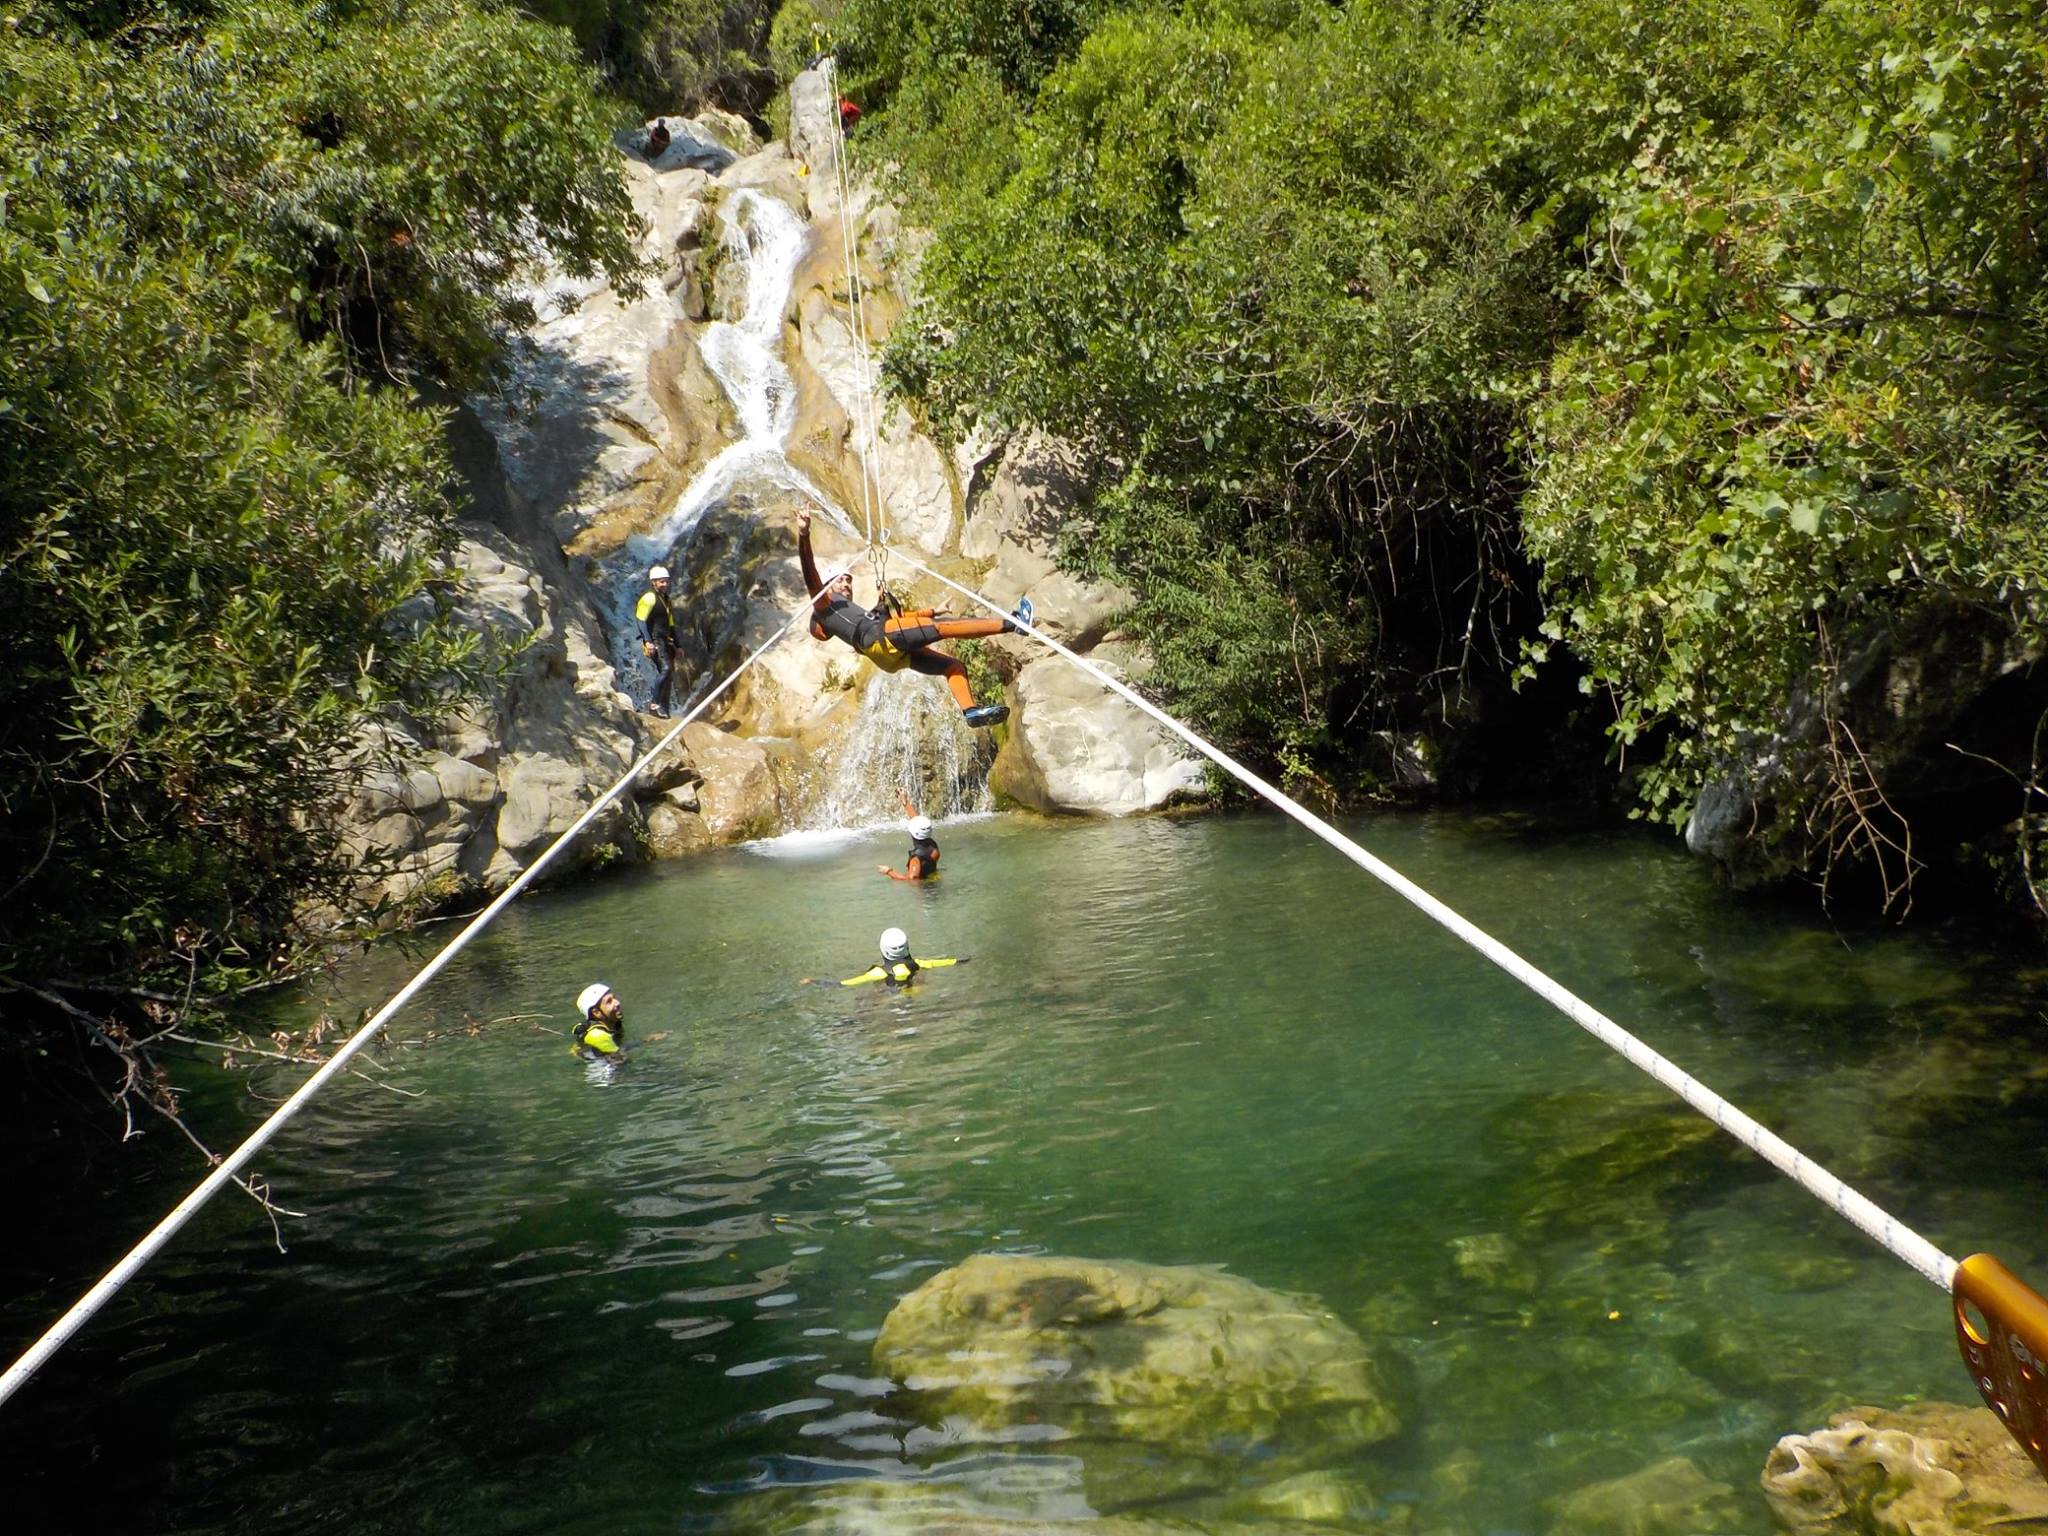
1891	1234
65	1326
865	408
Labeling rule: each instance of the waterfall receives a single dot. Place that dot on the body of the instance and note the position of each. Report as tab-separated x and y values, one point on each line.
907	736
907	739
762	238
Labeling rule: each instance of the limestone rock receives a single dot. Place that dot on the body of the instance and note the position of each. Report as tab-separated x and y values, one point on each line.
693	145
674	830
670	769
814	135
599	407
1671	1498
738	793
1129	1363
1075	747
1930	1469
1038	481
769	171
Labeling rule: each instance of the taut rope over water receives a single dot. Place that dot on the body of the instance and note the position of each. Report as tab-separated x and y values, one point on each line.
18	1374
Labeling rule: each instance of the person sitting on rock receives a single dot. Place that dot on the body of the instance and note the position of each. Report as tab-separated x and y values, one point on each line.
657	618
658	139
601	1024
894	637
923	860
898	967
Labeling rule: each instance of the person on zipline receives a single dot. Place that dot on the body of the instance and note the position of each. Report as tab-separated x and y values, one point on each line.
898	968
923	860
657	618
894	637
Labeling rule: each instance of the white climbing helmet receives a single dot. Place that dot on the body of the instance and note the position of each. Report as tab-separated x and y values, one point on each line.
895	944
920	826
657	573
590	997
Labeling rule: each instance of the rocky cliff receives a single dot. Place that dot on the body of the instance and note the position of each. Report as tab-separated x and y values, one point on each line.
688	422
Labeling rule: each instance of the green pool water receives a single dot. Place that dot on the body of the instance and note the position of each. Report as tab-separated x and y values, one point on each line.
540	1298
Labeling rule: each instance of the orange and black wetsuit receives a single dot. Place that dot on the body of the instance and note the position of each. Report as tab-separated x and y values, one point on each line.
894	638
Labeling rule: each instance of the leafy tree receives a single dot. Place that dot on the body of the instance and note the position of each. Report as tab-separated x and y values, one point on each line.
1808	410
226	232
669	55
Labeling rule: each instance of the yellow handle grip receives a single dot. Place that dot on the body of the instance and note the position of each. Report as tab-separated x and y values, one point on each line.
2005	1345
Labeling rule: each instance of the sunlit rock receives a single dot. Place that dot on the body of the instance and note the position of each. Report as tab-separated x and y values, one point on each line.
1076	747
1164	1381
737	790
1929	1469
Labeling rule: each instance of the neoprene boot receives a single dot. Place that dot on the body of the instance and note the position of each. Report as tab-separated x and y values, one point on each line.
986	714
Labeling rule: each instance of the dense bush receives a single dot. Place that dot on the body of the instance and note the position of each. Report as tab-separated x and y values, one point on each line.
1730	315
228	236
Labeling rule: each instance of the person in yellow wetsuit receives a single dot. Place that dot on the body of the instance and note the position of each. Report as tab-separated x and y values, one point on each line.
898	967
894	637
601	1024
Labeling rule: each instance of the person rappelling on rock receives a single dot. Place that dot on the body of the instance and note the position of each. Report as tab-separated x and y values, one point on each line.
922	862
657	618
899	968
894	637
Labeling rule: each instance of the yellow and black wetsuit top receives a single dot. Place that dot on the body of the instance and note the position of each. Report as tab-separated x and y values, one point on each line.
926	852
898	973
595	1040
657	616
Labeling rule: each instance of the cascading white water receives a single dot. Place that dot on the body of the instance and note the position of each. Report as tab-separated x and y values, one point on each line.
908	735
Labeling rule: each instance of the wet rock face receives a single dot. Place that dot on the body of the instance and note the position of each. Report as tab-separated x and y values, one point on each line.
1931	1469
466	808
1165	1382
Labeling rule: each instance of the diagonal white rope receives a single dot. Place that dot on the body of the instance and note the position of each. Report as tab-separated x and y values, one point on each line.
32	1359
1892	1235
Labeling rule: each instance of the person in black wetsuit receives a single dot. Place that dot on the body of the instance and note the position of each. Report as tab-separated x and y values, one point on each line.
893	637
657	618
922	863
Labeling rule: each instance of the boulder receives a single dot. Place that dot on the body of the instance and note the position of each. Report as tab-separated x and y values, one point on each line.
1929	1469
1037	482
1163	1381
1075	747
674	830
773	173
814	136
737	790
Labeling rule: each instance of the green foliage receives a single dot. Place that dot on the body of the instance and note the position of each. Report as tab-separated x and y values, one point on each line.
670	55
222	533
1106	268
884	42
1811	396
1729	314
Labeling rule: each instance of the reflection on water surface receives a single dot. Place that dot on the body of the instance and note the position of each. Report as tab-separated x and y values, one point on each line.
539	1300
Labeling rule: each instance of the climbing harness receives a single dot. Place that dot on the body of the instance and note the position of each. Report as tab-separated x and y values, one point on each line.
2007	1354
52	1340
